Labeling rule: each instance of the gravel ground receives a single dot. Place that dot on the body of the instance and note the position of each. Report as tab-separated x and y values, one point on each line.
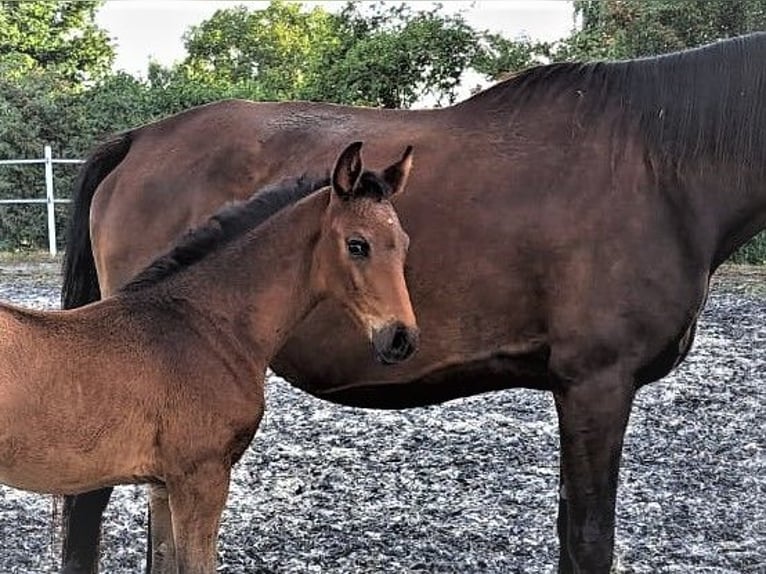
469	486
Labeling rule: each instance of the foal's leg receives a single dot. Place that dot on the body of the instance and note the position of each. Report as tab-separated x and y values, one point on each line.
593	413
81	536
196	503
161	558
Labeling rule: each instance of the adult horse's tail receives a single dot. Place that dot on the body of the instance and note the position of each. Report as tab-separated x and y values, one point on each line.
80	282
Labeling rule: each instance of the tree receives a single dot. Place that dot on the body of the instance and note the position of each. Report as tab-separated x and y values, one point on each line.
54	36
172	90
392	56
499	56
377	55
276	48
620	29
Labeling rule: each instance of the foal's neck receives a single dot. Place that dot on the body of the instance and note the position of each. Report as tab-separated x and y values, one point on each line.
254	290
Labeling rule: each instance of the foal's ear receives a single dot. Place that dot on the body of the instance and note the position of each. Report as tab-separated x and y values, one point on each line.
347	170
396	175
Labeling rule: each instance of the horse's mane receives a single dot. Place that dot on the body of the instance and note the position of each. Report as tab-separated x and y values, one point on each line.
704	103
227	224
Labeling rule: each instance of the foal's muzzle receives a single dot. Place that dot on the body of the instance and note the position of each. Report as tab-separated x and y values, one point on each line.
395	343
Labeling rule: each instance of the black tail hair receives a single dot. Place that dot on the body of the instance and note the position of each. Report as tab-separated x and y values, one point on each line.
80	282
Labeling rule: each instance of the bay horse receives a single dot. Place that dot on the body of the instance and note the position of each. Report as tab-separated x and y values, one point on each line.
565	227
162	383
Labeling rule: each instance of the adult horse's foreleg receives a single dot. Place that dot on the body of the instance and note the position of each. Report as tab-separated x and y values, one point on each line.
562	527
81	535
196	503
593	413
161	557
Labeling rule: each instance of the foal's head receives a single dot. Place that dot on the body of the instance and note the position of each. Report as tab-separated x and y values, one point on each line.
359	258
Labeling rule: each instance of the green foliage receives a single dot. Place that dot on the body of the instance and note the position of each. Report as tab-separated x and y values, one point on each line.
753	252
392	56
34	112
55	36
277	48
121	101
619	29
378	55
173	90
48	49
500	56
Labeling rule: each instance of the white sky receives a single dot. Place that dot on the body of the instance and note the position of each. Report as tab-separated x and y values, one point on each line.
152	29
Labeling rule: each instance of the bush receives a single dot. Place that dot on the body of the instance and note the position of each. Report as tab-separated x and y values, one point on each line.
39	110
753	252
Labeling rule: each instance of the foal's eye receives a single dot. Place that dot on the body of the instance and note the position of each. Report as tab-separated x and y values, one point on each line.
358	248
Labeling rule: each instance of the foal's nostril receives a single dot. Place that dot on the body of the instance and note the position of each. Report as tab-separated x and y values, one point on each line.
395	343
402	345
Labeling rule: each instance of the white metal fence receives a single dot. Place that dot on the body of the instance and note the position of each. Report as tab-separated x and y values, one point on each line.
49	199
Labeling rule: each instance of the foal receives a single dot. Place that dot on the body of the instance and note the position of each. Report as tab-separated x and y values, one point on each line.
164	381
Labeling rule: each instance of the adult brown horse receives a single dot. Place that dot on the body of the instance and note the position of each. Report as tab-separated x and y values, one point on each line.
565	227
164	381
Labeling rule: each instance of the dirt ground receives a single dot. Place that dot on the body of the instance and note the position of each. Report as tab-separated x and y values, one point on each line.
469	486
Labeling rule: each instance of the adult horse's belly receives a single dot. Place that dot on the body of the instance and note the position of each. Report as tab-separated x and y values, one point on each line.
475	297
314	363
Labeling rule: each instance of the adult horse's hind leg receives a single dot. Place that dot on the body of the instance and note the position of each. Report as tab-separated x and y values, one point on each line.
161	557
593	413
196	503
81	534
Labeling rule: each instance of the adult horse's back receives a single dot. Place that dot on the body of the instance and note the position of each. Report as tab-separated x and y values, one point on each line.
564	227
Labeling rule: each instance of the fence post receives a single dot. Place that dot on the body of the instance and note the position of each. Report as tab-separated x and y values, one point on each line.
50	201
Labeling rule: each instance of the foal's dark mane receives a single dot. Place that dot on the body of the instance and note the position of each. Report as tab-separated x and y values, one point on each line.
236	219
705	103
226	225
